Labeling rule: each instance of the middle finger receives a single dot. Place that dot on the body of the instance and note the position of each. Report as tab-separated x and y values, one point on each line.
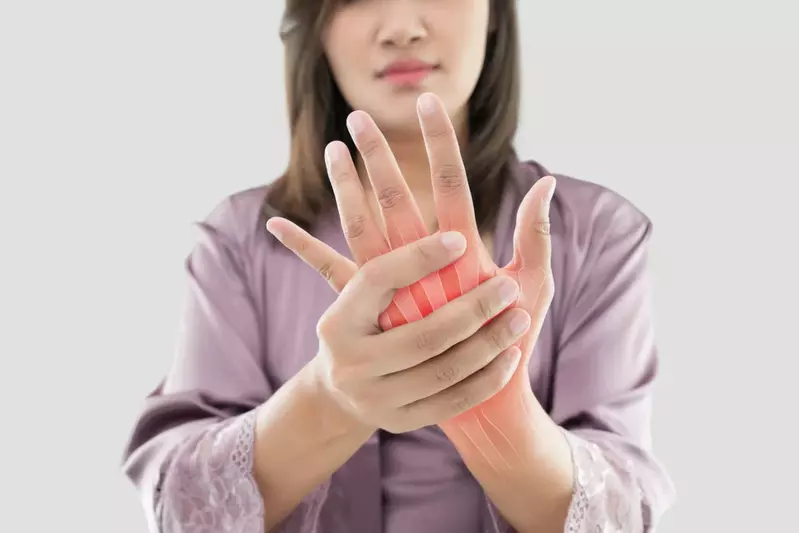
450	184
457	363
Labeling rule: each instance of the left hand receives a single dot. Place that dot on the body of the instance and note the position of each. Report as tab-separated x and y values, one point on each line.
493	428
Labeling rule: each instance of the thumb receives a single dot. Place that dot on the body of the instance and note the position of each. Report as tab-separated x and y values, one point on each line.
532	244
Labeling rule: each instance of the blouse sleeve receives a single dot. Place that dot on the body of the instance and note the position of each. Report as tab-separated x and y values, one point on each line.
606	369
607	362
190	454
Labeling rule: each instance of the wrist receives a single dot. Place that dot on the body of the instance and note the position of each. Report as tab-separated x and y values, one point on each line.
547	479
330	414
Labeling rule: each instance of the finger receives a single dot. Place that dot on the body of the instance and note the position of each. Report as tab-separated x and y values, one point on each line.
456	364
532	243
371	290
451	191
450	184
447	326
403	221
363	236
464	395
401	217
334	267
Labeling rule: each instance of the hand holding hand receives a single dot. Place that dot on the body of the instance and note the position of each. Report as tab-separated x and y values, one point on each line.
496	426
420	373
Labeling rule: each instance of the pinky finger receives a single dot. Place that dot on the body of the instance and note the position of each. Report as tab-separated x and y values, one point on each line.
334	267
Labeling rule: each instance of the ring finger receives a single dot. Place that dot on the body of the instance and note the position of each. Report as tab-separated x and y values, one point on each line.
459	362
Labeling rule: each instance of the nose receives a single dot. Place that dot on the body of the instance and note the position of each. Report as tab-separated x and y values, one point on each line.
402	24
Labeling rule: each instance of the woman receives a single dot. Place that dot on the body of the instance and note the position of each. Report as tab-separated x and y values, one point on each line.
437	391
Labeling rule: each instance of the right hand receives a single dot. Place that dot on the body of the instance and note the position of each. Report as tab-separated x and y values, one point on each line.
423	372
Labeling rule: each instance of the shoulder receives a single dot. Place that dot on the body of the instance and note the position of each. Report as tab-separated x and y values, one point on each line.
584	213
238	218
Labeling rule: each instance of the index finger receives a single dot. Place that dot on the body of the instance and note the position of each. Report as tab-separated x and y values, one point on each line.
372	289
362	234
400	213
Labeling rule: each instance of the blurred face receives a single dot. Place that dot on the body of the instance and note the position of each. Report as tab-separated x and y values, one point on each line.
385	53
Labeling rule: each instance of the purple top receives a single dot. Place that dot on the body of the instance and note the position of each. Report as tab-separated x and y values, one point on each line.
250	324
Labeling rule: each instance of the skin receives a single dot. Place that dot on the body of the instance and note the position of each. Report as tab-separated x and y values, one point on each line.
508	442
365	36
325	412
407	183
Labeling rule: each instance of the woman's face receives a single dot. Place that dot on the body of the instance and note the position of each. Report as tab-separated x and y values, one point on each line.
385	53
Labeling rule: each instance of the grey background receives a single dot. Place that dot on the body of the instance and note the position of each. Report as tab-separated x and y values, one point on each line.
122	122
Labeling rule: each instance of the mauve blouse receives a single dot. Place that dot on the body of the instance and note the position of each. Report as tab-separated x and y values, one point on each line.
249	324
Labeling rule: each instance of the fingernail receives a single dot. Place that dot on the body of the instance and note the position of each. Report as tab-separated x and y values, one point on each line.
508	291
274	231
331	154
519	323
453	241
547	199
356	123
427	104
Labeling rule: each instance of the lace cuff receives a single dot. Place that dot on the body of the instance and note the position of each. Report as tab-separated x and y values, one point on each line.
207	484
606	495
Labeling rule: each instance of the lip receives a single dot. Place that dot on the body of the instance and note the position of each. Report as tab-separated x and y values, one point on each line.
407	71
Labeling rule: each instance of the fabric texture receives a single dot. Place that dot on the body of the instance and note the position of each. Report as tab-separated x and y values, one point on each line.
249	324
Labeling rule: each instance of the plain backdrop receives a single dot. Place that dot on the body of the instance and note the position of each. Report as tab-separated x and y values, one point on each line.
123	122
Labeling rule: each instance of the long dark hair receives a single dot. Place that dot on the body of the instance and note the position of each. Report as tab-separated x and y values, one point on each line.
318	111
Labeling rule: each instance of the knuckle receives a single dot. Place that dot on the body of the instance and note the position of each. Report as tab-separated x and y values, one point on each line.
354	226
449	178
484	309
462	402
369	146
496	338
447	374
542	228
341	175
428	340
391	197
326	270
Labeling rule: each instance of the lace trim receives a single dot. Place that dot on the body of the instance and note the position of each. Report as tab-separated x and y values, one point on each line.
209	486
607	497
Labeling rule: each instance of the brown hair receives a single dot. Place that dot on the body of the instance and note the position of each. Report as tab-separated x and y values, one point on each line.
318	111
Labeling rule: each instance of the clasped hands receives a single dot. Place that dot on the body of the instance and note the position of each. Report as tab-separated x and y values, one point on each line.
427	329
